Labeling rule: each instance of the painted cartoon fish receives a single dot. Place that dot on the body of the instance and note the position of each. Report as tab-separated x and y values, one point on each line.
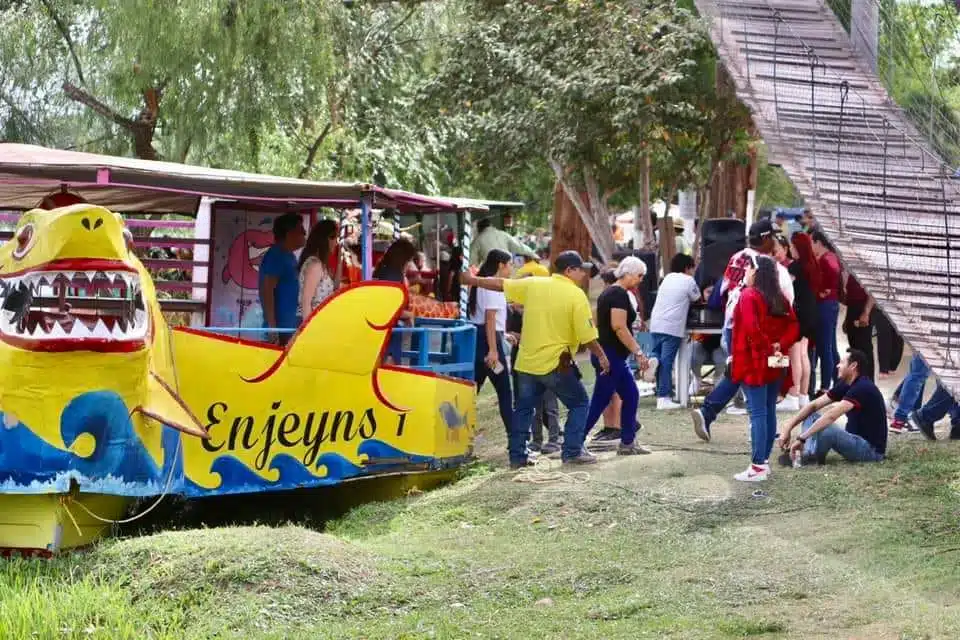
450	412
244	256
78	318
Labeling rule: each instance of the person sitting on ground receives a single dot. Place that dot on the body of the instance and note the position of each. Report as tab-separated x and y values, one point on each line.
855	396
557	321
668	322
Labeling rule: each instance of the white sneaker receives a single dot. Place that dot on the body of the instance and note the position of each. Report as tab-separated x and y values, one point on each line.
754	473
734	410
789	403
666	404
804	400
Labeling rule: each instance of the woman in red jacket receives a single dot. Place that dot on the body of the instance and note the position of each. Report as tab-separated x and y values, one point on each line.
764	328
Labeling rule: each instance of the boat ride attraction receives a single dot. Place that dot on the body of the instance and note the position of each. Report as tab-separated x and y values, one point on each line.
134	365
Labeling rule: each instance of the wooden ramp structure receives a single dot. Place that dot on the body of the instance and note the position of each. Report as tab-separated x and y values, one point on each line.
876	187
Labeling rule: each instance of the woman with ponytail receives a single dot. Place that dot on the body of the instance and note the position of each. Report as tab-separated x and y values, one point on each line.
488	310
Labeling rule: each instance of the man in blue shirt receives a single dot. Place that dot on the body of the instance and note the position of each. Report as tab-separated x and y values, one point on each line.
279	280
855	396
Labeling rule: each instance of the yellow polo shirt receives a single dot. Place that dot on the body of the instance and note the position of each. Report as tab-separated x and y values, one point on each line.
532	268
556	318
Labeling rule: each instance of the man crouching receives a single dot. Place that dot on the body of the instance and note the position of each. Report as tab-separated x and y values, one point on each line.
855	396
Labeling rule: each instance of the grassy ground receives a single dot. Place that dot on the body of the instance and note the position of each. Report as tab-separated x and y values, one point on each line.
657	546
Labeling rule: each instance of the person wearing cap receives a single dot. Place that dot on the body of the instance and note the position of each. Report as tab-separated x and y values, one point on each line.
762	242
557	321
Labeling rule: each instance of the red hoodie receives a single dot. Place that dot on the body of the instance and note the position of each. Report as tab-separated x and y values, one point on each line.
754	333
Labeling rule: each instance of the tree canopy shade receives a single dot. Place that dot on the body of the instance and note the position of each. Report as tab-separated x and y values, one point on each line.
307	88
579	85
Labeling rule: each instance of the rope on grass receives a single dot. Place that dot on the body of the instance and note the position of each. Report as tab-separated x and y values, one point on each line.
546	471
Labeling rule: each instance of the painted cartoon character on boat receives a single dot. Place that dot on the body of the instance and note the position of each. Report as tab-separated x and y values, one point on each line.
244	256
87	378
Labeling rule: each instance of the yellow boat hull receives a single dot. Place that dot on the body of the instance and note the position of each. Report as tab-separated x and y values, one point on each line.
47	523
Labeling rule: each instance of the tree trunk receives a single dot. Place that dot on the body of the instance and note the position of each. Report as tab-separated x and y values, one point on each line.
569	232
590	206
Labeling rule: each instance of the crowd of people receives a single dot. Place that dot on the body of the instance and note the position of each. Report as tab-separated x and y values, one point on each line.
781	297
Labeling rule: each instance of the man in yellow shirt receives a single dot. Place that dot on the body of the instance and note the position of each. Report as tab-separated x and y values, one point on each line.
557	319
532	267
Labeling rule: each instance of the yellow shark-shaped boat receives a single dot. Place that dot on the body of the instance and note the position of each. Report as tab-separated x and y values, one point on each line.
102	403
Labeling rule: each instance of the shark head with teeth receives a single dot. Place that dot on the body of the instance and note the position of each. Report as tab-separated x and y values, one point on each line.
79	315
69	281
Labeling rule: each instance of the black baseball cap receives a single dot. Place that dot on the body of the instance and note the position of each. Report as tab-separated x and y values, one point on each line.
760	230
572	260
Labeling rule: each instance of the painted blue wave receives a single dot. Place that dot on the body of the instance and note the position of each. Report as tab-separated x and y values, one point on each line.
119	458
237	477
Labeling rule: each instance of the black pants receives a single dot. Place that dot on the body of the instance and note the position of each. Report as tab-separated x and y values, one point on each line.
889	343
860	338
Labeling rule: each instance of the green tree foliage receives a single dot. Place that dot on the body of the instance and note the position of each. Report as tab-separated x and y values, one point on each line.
577	85
297	88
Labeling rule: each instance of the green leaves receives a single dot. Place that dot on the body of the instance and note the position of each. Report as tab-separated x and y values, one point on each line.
581	82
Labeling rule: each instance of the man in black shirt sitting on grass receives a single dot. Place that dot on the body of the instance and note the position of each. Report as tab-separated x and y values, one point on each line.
855	396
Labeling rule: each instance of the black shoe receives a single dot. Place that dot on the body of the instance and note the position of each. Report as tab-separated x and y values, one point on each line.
925	428
514	466
784	460
955	431
607	434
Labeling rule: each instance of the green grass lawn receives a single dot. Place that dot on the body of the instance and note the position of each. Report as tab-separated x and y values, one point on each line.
665	545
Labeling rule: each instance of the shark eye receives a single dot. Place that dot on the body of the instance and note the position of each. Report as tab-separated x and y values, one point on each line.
128	238
25	240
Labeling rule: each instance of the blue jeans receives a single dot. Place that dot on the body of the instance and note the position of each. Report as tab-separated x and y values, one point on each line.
501	381
620	381
940	404
851	448
530	389
665	349
912	388
719	398
826	348
762	403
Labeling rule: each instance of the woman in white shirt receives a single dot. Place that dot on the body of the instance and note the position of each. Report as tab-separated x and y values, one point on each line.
316	282
488	310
